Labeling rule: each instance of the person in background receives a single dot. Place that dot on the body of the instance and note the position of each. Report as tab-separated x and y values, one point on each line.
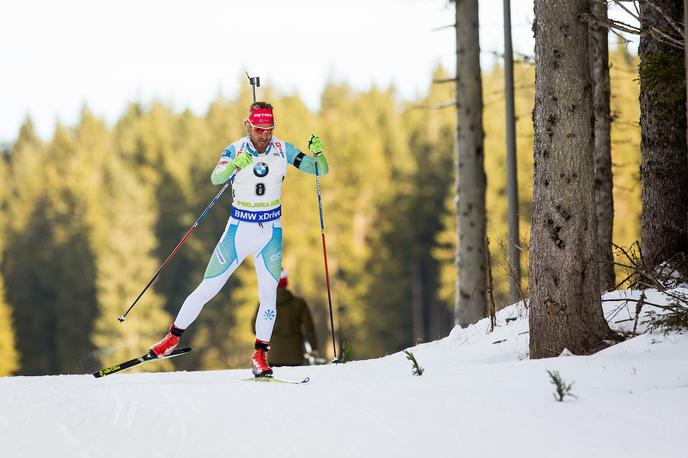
294	331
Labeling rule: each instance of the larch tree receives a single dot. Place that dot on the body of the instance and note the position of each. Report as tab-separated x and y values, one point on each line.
356	211
664	165
404	272
75	306
625	107
565	308
9	357
121	218
28	243
471	297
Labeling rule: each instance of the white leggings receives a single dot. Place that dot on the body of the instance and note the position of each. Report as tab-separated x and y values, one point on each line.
261	240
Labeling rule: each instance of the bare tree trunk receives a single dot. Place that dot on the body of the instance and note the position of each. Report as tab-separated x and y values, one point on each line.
514	254
604	199
471	303
664	164
565	308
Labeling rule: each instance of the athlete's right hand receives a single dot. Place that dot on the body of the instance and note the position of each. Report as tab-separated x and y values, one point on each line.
241	161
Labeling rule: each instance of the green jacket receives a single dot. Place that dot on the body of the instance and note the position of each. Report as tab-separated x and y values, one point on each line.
293	327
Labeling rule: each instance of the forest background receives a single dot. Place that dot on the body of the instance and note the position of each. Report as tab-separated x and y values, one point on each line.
87	217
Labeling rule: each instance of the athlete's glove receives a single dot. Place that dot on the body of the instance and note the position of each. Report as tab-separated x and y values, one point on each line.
315	145
241	161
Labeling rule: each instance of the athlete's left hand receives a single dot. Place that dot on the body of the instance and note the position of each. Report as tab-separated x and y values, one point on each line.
315	145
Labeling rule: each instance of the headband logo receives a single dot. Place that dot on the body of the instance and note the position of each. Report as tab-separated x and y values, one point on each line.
261	116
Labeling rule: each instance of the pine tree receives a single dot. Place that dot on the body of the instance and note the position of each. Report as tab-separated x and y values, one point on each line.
664	169
471	300
565	309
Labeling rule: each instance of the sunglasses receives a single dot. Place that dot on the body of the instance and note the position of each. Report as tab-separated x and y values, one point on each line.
262	130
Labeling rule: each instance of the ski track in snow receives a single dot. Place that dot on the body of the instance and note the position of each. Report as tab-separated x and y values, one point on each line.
477	397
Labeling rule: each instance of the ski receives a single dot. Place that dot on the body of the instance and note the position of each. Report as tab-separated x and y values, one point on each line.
136	361
275	380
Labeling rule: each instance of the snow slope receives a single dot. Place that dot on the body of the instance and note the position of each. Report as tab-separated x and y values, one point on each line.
479	397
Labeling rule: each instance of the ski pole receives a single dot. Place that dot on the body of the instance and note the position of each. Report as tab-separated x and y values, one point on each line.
327	272
179	245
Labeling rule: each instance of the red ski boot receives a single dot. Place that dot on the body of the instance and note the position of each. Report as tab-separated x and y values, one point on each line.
259	363
168	343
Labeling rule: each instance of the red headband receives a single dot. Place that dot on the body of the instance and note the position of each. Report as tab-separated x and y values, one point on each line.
261	116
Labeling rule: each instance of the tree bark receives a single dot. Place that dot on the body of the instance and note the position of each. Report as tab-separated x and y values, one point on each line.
471	303
664	165
604	198
565	307
685	57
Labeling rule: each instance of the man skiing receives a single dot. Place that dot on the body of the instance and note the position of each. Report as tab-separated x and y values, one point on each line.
254	226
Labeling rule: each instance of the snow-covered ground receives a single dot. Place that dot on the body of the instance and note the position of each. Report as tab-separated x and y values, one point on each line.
479	397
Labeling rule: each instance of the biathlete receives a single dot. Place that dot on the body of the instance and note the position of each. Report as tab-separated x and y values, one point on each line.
254	227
